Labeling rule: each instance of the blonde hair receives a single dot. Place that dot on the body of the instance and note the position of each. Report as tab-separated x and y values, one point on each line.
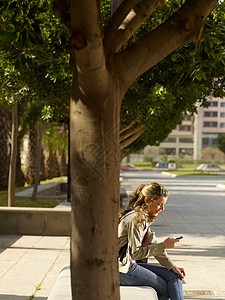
152	191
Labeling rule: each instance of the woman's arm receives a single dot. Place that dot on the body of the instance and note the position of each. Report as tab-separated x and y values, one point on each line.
135	238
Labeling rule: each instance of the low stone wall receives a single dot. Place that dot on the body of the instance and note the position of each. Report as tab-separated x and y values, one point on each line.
51	190
35	221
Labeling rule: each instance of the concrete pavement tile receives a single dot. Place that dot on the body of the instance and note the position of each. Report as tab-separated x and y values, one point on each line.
7	240
220	280
31	263
49	281
14	297
50	242
217	219
208	229
220	226
185	228
26	241
9	258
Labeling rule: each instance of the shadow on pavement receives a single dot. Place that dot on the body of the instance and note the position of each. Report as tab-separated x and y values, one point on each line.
14	297
6	241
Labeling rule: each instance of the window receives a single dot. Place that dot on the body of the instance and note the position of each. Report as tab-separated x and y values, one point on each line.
185	128
222	115
222	125
205	141
210	114
167	151
187	118
222	104
214	103
186	151
185	140
170	151
210	124
214	142
170	140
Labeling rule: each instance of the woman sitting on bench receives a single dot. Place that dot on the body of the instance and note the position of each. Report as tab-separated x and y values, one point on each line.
137	242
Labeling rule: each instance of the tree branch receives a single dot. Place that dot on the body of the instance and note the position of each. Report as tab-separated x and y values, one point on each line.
130	125
86	38
117	19
183	26
132	22
131	137
62	8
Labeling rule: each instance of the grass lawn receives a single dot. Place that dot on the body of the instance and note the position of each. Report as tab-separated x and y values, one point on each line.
29	203
144	165
32	203
151	165
180	172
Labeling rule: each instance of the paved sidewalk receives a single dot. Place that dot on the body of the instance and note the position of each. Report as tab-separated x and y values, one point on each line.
29	265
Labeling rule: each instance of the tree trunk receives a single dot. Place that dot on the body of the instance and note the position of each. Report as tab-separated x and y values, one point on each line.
104	72
95	196
43	174
20	178
32	154
52	165
4	161
12	168
68	168
62	164
37	171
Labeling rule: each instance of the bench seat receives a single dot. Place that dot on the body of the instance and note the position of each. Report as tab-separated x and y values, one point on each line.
62	289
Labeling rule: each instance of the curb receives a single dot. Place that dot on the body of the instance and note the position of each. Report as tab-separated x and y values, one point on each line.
221	186
169	174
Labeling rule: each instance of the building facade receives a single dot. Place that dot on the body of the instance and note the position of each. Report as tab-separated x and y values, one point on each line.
180	141
195	133
213	122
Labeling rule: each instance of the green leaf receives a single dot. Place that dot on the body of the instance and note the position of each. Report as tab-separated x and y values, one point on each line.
36	27
7	36
17	64
32	38
12	5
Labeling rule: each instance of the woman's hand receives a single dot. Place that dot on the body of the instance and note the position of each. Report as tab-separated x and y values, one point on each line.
170	242
179	271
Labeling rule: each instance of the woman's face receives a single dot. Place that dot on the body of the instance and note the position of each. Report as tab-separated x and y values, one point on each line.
154	207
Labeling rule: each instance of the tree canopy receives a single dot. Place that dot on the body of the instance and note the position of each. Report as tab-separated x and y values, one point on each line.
35	57
221	142
160	97
105	60
36	51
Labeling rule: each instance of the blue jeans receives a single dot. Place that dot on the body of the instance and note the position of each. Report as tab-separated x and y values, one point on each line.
166	283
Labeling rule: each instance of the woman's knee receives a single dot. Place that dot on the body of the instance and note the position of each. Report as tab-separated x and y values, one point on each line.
174	276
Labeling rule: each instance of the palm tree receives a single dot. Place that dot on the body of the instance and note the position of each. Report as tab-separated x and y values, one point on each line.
32	153
30	116
55	143
4	158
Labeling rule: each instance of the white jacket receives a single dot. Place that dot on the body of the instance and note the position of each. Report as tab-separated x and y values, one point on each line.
128	232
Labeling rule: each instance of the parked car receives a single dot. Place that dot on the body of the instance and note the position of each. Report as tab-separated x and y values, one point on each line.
207	166
201	167
128	166
161	165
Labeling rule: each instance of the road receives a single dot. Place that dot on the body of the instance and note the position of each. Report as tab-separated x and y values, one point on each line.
195	209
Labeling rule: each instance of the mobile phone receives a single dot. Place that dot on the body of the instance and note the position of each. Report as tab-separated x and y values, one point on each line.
179	237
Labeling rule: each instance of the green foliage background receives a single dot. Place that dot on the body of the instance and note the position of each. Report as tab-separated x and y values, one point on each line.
35	67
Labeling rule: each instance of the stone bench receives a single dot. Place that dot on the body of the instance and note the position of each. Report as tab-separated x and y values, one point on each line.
62	289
